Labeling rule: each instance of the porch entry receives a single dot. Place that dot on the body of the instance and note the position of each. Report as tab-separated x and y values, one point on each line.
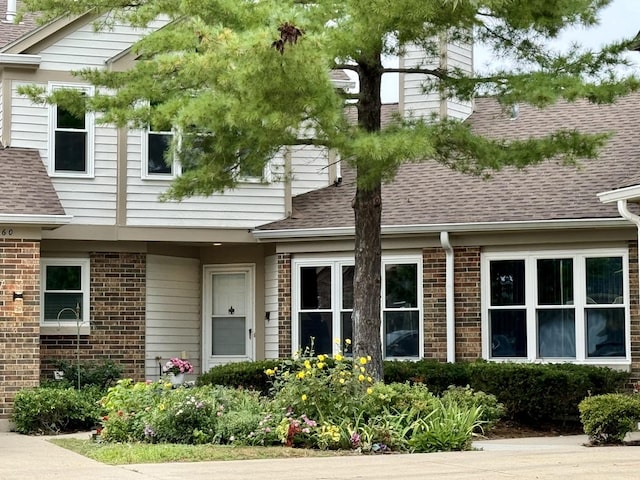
229	319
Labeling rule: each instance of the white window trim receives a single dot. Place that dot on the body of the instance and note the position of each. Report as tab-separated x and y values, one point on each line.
176	169
90	127
84	320
530	257
337	262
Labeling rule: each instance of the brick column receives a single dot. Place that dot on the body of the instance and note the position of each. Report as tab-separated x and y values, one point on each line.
468	304
19	319
284	305
434	303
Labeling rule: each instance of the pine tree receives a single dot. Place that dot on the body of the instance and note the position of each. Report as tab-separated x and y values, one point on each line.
240	79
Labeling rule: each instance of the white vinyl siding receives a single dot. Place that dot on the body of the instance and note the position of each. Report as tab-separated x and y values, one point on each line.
309	169
247	206
271	343
91	201
459	56
86	48
173	311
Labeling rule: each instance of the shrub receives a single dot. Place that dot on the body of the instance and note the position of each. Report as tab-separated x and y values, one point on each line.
247	375
490	410
102	374
46	410
608	418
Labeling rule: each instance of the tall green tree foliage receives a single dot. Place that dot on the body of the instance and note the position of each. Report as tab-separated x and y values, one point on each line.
243	78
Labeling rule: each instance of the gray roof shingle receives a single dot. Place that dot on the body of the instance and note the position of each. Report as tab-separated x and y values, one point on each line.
428	193
25	187
10	32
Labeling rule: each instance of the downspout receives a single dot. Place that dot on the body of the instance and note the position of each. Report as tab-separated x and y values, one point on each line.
450	299
623	209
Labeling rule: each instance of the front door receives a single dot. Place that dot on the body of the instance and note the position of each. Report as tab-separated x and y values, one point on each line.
228	323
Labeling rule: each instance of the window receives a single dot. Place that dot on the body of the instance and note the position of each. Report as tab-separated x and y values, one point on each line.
556	305
156	156
65	291
71	139
324	304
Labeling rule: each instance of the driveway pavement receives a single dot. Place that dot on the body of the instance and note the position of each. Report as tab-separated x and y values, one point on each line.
25	457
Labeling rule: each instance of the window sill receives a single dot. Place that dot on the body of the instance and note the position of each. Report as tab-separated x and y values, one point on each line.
64	330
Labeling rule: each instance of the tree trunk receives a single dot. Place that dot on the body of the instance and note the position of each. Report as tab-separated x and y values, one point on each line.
368	215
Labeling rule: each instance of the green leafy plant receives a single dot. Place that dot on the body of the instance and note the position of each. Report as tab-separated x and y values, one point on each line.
608	418
102	374
56	410
491	409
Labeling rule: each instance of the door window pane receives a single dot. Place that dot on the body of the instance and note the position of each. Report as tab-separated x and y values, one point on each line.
401	286
507	282
315	288
228	336
604	280
555	281
508	333
401	334
605	332
316	333
556	333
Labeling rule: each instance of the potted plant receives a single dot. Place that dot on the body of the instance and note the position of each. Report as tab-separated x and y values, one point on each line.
176	368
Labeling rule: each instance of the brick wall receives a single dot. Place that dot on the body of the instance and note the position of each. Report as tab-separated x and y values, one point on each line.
19	319
284	305
434	303
117	316
467	303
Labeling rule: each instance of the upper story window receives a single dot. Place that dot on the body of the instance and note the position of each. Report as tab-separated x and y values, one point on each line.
323	305
71	142
157	161
557	305
65	291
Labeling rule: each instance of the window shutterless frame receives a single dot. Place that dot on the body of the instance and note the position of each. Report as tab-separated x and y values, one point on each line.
64	285
556	305
71	138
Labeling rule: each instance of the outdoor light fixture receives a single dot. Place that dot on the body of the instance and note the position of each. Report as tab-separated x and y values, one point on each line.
17	295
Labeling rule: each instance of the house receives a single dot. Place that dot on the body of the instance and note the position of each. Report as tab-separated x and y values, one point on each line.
527	266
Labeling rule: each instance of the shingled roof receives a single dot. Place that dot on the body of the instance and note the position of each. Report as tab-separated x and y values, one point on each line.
430	194
9	32
25	187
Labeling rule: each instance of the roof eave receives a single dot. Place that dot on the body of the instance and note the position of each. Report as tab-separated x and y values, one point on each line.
43	221
396	230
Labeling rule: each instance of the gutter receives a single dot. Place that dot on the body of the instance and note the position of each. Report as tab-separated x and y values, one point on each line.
449	297
20	60
314	233
35	220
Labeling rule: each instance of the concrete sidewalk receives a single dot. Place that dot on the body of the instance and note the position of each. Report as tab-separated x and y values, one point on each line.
25	457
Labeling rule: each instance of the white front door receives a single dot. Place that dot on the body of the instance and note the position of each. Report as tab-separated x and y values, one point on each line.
228	323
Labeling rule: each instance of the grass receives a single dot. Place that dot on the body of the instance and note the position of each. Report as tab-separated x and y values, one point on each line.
130	453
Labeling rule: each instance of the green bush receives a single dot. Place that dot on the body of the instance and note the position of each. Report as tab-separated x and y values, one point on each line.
247	375
608	418
490	409
103	374
46	410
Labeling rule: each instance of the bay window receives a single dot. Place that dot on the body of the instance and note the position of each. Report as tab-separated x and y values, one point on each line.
323	305
558	305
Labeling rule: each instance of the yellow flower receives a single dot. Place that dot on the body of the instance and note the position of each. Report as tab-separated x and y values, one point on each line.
369	357
307	364
348	341
321	358
320	365
300	374
336	341
361	377
363	361
369	391
362	369
269	372
304	397
161	407
369	379
339	357
342	381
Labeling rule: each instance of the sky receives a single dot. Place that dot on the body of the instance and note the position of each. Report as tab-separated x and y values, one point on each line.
618	21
